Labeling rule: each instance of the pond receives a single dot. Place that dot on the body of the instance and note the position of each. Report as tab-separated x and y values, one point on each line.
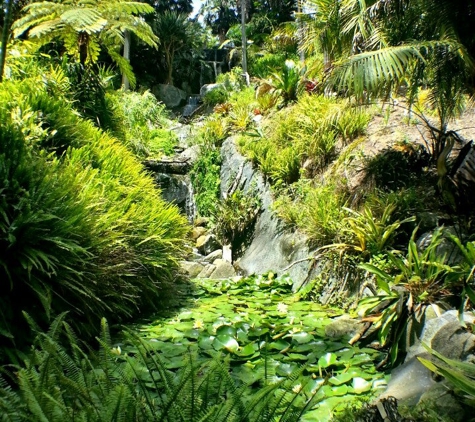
267	337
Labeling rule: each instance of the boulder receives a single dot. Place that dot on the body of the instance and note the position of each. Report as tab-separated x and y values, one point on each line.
342	326
176	188
197	232
217	254
210	87
207	244
170	95
192	268
207	271
223	270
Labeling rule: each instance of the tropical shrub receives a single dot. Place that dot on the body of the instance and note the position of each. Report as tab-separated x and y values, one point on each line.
267	64
82	229
235	215
145	123
409	284
316	210
216	96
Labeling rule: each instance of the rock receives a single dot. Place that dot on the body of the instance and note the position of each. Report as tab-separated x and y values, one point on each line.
207	244
192	268
197	232
170	95
177	190
271	246
190	154
342	326
440	398
217	254
223	270
228	253
201	221
207	271
210	87
453	333
409	382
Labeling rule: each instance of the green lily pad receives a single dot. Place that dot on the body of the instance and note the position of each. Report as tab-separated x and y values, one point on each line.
327	360
248	350
226	342
285	369
279	345
340	378
360	385
206	342
302	337
226	330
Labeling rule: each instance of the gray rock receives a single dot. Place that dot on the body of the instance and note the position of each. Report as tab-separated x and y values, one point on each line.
207	271
271	247
217	254
192	268
207	244
210	87
440	398
409	382
170	95
452	333
176	188
223	270
342	326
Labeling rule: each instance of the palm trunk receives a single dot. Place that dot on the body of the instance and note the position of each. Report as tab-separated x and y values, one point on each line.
5	36
125	80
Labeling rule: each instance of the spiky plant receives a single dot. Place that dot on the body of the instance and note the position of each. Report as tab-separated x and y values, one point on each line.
86	26
61	381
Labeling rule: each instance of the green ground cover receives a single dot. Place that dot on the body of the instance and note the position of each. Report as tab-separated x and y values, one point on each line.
269	337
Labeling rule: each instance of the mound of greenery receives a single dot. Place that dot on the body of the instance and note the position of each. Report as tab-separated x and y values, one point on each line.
82	227
246	351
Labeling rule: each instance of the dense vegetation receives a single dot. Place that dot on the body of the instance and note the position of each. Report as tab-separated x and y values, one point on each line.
84	234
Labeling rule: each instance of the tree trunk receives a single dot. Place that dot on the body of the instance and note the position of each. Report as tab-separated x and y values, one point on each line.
5	36
125	80
83	41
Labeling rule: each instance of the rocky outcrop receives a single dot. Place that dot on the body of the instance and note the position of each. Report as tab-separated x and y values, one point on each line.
272	247
170	95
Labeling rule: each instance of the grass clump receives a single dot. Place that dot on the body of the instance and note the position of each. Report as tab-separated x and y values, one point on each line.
82	229
145	123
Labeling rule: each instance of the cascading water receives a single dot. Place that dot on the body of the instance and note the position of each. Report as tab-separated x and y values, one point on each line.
192	105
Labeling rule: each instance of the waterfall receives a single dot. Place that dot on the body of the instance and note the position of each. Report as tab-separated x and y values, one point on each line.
192	105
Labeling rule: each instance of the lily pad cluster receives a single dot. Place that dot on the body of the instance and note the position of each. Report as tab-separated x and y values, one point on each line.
268	336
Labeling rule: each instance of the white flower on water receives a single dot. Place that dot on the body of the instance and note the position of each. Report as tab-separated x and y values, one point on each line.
282	308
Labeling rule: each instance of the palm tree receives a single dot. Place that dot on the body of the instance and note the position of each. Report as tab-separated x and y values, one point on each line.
85	26
384	44
5	35
175	32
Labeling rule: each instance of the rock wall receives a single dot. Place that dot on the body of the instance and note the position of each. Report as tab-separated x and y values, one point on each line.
272	247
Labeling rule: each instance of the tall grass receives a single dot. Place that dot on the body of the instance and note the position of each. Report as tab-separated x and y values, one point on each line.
82	227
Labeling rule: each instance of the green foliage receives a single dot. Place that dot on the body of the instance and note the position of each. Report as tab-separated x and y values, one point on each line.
234	215
205	177
460	374
288	83
266	65
260	368
144	123
372	235
216	96
315	210
411	282
86	27
83	228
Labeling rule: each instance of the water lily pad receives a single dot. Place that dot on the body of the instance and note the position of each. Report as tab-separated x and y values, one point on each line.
285	369
340	378
226	330
327	360
279	345
248	350
206	342
226	342
186	316
302	337
360	385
